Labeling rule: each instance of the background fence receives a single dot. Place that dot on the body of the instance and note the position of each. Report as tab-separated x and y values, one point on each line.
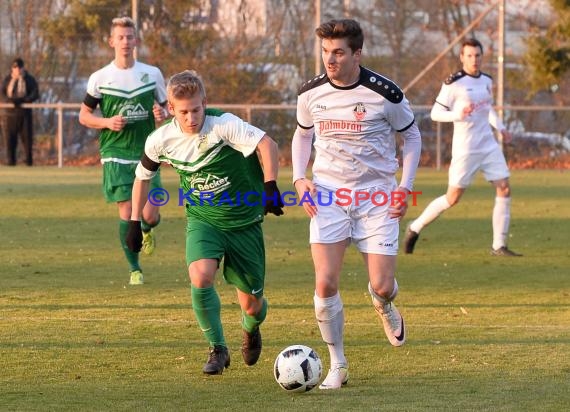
541	134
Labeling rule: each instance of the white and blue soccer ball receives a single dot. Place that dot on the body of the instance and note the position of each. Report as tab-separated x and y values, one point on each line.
298	368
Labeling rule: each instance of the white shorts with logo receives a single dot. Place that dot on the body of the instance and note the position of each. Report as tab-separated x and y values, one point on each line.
463	168
366	224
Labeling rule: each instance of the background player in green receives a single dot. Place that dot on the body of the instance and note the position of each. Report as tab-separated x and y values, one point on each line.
126	92
214	154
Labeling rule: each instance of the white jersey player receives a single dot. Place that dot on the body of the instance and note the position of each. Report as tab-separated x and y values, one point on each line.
353	114
466	99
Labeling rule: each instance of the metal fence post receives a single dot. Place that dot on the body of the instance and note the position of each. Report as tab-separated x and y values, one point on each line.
59	135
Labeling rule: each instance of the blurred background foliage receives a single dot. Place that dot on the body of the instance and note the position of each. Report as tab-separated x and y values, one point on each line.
260	51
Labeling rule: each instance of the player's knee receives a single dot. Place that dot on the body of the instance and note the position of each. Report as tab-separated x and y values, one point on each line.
327	285
251	310
152	219
385	291
253	306
504	191
453	196
200	278
453	199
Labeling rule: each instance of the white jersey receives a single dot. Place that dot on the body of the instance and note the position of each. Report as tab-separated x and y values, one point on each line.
354	132
473	134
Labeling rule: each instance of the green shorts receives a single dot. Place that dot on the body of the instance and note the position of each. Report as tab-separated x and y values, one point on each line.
118	179
243	252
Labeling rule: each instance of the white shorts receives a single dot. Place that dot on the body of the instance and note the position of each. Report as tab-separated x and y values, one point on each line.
463	168
366	224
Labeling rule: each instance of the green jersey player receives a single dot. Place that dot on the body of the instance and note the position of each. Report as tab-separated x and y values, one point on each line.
126	92
226	193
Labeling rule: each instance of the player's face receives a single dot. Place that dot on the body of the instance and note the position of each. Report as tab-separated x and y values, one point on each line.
341	64
471	58
189	112
124	41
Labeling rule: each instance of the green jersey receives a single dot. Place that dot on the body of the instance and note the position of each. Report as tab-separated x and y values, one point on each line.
221	180
130	93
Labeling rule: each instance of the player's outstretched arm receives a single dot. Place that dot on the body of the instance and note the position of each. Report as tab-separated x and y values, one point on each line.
301	147
269	154
300	155
134	234
139	196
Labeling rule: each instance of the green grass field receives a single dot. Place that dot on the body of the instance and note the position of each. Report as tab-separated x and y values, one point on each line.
485	334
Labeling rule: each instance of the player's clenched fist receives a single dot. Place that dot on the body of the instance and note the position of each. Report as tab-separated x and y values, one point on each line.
273	202
116	123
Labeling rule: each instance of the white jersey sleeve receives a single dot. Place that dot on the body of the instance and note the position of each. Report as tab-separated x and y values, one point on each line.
239	134
301	151
495	120
442	109
152	152
160	91
411	153
399	115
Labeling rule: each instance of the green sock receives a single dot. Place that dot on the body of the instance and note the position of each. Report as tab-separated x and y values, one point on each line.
132	257
250	323
207	308
146	226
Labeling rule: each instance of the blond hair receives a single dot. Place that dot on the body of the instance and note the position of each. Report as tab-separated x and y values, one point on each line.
185	84
123	22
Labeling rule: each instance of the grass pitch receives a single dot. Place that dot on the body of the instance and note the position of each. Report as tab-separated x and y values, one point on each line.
485	334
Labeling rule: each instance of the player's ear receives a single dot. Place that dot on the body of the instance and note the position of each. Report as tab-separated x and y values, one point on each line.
170	108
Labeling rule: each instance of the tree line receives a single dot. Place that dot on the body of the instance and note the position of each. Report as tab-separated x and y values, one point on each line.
63	41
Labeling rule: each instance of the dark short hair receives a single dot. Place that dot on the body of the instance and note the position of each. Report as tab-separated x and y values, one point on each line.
18	62
473	43
342	29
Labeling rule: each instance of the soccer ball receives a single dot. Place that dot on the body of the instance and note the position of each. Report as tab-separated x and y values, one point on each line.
298	368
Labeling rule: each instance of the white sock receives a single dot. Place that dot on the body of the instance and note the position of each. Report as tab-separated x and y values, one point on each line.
430	213
330	318
501	221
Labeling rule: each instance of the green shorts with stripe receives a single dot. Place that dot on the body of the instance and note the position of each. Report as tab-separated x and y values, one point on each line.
242	251
118	179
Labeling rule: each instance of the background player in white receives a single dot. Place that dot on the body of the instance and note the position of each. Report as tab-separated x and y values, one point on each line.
215	155
353	113
466	99
126	92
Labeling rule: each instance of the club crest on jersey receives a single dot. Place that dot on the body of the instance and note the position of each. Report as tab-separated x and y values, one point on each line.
359	112
202	143
144	78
